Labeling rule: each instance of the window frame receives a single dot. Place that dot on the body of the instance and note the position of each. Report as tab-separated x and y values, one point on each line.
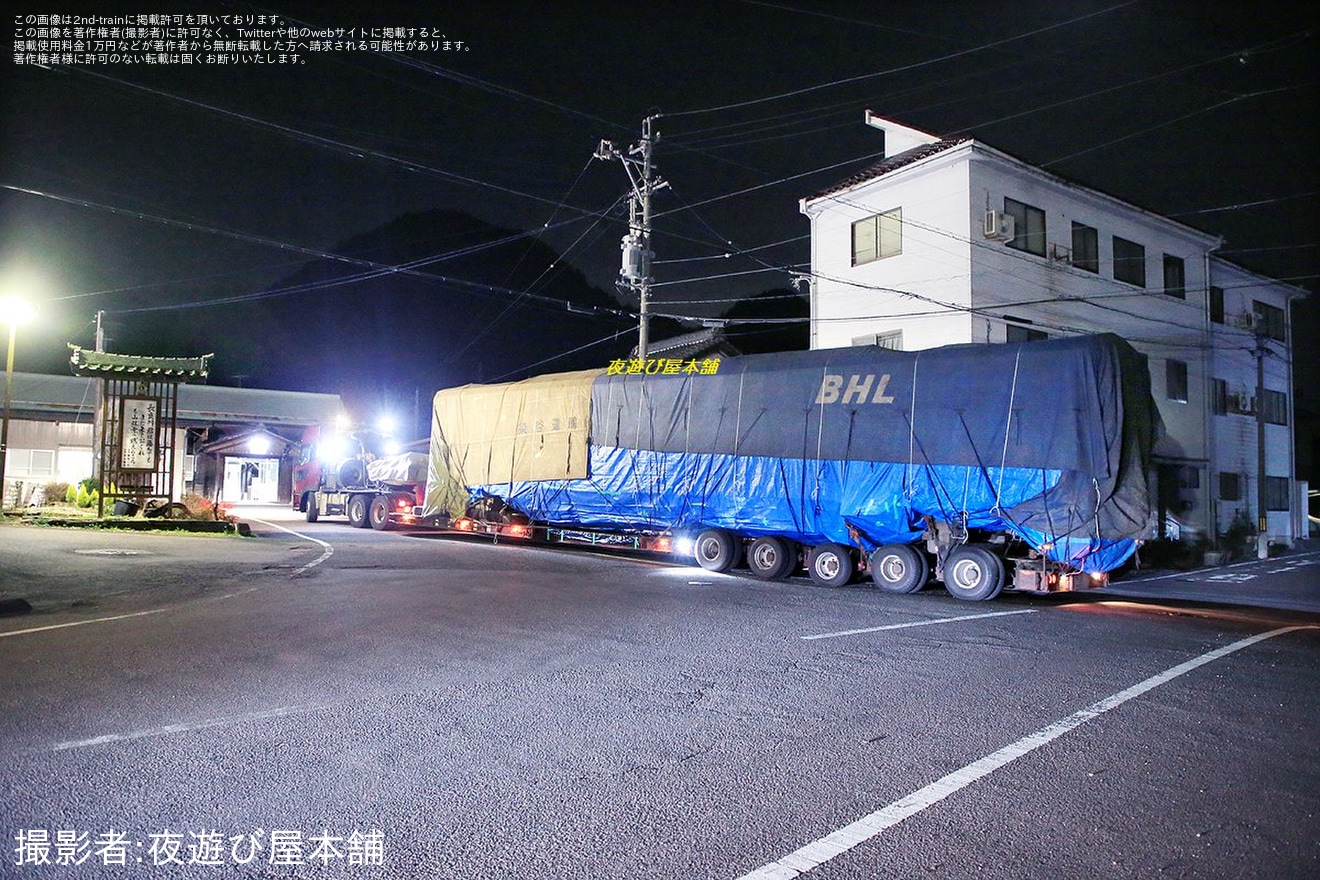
885	235
1135	260
1219	397
1274	407
1175	276
1271	320
1029	227
1175	379
1085	247
1278	491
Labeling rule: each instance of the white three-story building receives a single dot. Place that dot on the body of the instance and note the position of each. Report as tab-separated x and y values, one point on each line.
948	240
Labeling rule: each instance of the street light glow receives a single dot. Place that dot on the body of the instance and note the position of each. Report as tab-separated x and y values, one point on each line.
16	311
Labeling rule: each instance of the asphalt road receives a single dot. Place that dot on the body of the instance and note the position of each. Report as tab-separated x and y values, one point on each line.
345	703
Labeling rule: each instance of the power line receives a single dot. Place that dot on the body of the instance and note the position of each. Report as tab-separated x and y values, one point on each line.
914	66
376	269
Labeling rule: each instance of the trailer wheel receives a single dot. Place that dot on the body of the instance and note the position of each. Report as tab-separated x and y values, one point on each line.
899	568
380	513
357	511
771	558
310	505
831	565
973	573
717	550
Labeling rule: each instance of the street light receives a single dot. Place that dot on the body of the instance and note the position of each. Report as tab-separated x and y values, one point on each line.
13	311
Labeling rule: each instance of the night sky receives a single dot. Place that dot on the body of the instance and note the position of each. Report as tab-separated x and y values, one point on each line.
160	194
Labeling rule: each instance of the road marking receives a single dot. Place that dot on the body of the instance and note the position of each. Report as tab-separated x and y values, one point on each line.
163	730
871	629
326	550
326	553
820	851
1290	562
37	629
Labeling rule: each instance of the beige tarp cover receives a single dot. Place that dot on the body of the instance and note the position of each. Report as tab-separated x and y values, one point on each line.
536	429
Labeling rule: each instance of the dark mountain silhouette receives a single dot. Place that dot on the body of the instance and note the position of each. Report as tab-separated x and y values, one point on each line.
457	309
786	329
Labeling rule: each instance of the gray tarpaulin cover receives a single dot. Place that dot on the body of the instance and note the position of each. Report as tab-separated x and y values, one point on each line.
1049	441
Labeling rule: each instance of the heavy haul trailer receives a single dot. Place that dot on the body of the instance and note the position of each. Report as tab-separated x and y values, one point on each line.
988	467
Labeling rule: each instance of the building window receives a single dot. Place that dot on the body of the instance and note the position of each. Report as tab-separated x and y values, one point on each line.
30	463
1230	486
1175	381
891	340
43	463
1129	262
1028	227
1085	247
1274	407
1276	493
1270	321
1015	332
1219	396
1175	277
877	237
1217	305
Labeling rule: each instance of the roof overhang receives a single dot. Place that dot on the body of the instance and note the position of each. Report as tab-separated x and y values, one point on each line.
104	363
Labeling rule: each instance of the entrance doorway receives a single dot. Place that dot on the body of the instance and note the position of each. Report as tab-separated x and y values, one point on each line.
253	480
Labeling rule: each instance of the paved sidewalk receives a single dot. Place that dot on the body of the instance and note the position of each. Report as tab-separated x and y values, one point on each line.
1290	582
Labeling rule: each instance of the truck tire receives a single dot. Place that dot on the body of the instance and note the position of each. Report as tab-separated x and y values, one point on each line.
380	513
831	565
309	504
717	550
771	558
973	573
899	568
358	511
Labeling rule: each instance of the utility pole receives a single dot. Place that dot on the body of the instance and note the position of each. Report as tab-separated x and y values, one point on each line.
98	417
635	273
1262	518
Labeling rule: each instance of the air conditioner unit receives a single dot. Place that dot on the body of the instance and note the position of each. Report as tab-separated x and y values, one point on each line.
998	225
1248	321
1060	253
1243	402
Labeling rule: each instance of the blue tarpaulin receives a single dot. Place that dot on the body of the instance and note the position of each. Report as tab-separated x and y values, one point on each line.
1046	441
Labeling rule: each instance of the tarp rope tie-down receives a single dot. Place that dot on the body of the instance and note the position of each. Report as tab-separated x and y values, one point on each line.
1008	426
943	495
908	489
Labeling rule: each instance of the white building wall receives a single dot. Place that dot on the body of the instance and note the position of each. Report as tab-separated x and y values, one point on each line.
851	302
966	288
1234	360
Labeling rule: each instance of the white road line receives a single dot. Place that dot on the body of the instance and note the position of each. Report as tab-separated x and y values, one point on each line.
281	712
871	629
1200	571
37	629
822	850
326	552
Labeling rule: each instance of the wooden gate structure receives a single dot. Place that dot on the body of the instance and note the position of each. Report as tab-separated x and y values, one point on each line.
137	419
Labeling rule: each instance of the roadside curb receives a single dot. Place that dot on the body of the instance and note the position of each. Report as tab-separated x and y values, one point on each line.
215	527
